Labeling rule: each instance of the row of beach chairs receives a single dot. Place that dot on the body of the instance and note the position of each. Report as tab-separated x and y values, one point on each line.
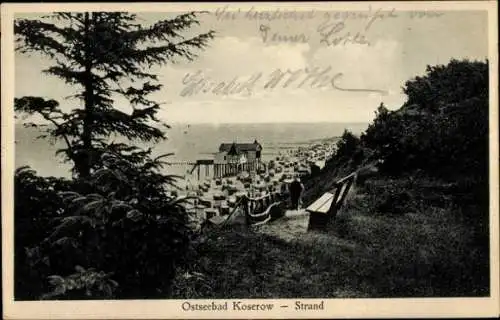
269	207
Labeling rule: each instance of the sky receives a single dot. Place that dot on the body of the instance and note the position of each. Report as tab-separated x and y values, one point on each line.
396	48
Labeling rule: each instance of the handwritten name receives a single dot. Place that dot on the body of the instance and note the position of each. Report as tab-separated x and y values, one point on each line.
333	29
334	34
271	36
198	83
315	78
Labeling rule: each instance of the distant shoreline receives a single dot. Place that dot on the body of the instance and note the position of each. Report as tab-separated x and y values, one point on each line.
266	123
191	143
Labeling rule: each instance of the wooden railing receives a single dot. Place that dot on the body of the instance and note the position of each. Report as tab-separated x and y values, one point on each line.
220	170
262	209
258	210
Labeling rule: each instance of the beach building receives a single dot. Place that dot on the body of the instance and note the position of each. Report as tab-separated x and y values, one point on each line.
239	152
237	157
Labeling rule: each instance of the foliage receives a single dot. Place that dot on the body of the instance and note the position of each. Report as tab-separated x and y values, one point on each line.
117	224
105	56
128	225
415	234
444	85
443	126
83	282
347	145
348	156
424	252
36	205
425	241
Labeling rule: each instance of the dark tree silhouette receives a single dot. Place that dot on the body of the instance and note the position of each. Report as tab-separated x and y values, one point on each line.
442	128
104	55
116	230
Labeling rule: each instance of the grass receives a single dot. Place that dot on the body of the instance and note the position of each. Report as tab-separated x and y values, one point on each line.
430	246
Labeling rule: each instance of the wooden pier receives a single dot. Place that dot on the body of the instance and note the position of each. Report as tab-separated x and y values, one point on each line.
219	170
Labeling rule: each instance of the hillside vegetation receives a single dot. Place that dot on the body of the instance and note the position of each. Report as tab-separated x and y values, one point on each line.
416	224
113	230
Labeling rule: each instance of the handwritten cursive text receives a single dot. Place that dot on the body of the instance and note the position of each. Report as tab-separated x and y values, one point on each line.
315	78
333	34
270	36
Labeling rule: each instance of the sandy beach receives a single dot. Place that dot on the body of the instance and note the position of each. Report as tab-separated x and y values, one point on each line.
217	197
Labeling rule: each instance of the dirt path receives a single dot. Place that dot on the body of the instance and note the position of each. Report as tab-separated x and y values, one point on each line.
295	223
291	227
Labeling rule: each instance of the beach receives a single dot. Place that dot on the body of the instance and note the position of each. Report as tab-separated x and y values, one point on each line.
218	197
189	142
288	150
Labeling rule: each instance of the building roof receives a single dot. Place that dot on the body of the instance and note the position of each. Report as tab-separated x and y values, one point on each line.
236	148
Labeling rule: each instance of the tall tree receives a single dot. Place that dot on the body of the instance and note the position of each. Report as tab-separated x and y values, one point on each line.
104	55
122	220
442	128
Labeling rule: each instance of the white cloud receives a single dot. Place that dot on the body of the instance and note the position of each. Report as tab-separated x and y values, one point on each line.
378	66
375	67
228	57
234	56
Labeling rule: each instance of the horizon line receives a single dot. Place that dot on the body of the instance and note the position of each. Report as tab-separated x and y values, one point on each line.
225	123
271	122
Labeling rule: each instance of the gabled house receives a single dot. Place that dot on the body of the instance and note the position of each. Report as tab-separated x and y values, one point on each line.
238	153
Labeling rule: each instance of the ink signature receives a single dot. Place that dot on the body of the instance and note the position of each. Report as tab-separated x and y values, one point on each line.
332	35
315	78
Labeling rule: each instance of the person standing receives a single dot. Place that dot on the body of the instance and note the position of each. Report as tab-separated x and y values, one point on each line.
296	189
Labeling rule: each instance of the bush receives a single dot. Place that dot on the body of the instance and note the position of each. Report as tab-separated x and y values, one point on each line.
348	146
443	126
122	236
35	208
395	203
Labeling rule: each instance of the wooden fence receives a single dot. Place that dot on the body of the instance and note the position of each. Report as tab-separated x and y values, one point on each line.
257	211
220	170
262	209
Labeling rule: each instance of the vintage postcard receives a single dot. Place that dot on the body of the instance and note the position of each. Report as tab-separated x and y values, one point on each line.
250	160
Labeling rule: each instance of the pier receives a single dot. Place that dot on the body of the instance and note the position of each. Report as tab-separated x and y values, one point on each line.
220	170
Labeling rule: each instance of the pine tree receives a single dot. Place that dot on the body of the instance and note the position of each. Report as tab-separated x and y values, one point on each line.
118	218
98	52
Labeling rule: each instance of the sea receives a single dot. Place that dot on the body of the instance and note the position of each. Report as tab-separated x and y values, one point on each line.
189	142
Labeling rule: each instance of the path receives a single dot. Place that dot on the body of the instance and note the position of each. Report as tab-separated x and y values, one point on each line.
292	226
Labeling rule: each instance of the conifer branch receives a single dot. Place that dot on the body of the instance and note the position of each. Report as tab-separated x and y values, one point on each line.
97	52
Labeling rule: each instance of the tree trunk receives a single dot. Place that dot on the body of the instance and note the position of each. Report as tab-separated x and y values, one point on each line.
86	160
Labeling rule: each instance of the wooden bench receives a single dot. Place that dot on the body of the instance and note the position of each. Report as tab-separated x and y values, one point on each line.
324	210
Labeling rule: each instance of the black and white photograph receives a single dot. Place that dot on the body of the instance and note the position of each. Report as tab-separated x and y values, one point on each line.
249	160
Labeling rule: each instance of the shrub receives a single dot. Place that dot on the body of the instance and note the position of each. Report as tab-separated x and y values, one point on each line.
443	126
125	232
36	205
395	203
347	146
